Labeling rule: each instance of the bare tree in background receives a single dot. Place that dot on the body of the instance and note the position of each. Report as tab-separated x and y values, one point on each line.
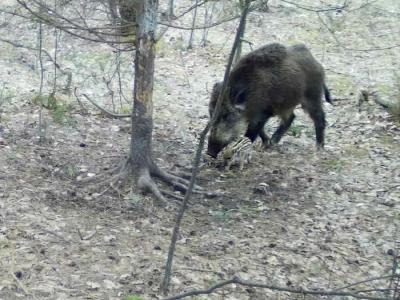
190	43
208	17
171	9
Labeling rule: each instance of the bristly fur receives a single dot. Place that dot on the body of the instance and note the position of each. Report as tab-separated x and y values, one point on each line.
269	81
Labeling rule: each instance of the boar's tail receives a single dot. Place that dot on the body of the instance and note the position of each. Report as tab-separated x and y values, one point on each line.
327	94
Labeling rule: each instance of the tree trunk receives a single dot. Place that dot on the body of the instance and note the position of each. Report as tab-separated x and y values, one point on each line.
171	9
142	115
190	43
140	160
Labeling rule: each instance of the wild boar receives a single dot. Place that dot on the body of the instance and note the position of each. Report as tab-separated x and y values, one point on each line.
269	81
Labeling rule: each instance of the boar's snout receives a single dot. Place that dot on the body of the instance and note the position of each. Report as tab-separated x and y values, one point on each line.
214	147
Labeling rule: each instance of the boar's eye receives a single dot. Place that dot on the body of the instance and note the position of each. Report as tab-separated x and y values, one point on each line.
230	118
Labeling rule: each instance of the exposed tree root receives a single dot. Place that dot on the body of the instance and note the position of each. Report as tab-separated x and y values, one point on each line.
171	195
146	184
177	182
118	176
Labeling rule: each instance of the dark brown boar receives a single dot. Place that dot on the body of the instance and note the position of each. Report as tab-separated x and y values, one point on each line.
270	81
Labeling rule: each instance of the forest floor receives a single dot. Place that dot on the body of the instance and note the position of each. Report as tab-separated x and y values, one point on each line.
293	217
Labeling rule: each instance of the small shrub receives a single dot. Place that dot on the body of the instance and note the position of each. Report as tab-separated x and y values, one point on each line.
334	164
394	109
72	171
59	109
126	110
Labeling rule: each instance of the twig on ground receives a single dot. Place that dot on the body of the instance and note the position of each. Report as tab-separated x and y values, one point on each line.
55	234
87	237
202	271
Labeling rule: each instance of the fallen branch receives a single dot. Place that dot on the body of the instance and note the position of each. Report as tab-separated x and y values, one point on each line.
378	100
364	281
247	283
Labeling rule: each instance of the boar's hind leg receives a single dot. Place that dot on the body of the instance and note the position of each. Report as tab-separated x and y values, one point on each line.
283	127
318	116
265	138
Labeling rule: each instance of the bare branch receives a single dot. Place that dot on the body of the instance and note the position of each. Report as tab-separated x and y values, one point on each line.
107	112
194	6
19	45
364	281
352	49
51	20
239	281
201	27
317	10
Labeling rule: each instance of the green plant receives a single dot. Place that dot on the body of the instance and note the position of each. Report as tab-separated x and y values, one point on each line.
220	215
135	198
126	109
334	164
62	113
5	97
394	109
132	297
295	130
59	109
71	171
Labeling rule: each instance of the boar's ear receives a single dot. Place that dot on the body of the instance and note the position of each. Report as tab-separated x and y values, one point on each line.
239	99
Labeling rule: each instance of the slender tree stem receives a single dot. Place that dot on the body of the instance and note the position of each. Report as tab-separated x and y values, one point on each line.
168	267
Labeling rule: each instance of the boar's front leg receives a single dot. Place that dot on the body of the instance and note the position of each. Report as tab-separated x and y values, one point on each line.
285	124
256	128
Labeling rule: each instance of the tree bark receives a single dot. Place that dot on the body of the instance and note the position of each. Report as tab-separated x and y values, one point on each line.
140	160
142	113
